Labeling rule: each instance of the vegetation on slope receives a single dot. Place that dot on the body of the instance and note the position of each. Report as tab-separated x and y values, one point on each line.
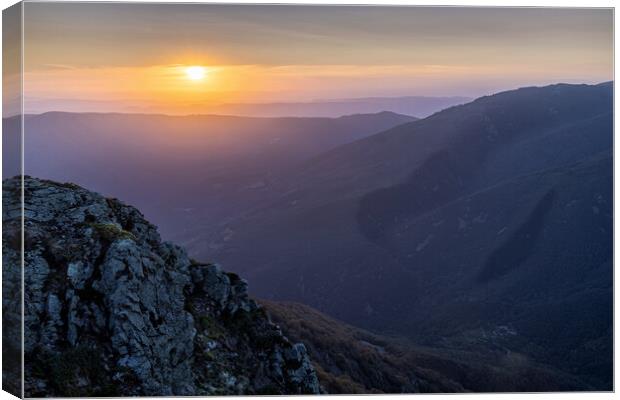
351	360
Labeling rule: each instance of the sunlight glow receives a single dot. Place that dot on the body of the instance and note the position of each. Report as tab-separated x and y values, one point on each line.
195	73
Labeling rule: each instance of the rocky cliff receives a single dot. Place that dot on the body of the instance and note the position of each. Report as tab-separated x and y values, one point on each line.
110	309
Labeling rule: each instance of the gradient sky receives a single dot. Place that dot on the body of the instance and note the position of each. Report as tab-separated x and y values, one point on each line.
131	57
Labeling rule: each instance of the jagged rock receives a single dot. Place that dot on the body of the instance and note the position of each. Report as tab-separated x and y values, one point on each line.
113	310
212	282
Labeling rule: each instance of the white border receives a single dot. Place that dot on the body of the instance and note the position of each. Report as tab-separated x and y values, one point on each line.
478	3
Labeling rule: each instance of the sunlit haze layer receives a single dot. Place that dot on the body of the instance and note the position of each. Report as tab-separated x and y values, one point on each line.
139	57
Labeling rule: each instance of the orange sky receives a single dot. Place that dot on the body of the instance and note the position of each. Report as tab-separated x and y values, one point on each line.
132	57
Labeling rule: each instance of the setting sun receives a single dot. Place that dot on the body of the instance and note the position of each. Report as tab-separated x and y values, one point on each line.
195	73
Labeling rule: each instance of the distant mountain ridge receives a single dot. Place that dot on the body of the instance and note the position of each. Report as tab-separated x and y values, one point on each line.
417	106
153	160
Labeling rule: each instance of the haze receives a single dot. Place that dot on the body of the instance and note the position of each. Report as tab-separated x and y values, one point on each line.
131	57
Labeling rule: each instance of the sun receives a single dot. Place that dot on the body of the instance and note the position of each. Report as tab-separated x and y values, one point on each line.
195	73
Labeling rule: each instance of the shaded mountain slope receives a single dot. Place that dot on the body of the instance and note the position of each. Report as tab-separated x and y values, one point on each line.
491	216
516	129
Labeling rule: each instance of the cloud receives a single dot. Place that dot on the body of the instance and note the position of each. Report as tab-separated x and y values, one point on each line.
59	66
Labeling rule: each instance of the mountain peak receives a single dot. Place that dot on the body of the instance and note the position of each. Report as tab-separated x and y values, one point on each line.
111	310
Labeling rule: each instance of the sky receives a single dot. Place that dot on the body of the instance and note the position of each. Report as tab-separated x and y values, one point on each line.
134	57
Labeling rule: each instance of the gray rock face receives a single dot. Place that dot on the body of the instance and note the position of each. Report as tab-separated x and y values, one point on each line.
111	310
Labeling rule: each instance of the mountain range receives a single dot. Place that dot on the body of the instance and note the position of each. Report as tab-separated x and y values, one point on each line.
484	229
485	225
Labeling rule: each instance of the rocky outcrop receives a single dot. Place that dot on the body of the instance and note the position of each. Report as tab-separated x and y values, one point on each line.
110	309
